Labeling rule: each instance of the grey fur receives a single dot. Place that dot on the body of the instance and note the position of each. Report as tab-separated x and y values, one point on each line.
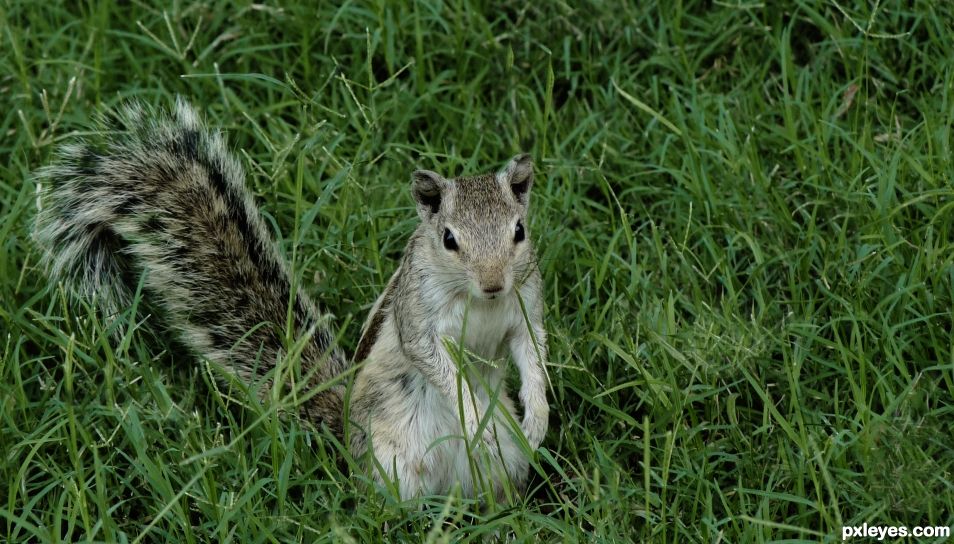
160	197
408	398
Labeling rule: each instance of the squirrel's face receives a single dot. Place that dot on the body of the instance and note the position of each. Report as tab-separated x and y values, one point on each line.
476	228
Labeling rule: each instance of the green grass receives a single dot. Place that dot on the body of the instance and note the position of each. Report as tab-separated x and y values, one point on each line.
745	216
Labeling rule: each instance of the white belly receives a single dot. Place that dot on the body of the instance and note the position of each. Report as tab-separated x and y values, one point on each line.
444	457
483	325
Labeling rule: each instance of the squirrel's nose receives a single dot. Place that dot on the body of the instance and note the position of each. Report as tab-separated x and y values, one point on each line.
493	289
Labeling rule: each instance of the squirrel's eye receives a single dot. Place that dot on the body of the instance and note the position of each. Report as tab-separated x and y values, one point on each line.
449	241
518	235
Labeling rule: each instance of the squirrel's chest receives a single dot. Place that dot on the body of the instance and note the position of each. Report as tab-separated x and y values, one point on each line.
482	326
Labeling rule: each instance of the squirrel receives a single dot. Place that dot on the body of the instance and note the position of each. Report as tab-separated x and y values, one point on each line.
160	197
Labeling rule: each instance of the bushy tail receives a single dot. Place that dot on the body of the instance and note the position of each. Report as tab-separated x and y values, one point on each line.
159	197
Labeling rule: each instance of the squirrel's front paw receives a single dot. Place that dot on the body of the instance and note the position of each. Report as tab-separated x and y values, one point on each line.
535	425
536	415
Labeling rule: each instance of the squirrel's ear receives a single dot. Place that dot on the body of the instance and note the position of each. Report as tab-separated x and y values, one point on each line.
428	187
518	174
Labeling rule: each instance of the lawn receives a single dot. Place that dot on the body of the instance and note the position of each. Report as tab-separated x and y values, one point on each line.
745	219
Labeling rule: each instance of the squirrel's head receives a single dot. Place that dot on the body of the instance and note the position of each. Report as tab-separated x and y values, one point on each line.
476	227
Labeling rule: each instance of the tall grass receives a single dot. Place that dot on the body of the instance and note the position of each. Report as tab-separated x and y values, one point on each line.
744	214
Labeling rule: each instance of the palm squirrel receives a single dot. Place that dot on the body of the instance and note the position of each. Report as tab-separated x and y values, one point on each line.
159	197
